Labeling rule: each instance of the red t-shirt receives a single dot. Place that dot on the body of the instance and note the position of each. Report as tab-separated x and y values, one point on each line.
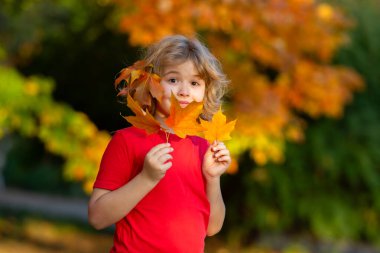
171	218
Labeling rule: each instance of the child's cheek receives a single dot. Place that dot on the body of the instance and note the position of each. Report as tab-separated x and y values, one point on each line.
167	89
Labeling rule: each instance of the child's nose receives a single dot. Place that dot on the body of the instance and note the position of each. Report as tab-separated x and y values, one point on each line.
183	90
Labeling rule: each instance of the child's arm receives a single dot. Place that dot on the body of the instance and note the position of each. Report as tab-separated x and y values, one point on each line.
215	163
107	207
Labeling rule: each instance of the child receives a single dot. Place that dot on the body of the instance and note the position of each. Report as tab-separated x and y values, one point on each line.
166	197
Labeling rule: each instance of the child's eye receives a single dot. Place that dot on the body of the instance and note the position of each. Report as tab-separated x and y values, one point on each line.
194	83
172	80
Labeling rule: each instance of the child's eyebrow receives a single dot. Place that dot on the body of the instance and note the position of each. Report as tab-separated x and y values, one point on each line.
198	77
176	72
171	72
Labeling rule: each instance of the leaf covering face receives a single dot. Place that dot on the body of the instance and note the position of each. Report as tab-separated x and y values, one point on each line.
182	120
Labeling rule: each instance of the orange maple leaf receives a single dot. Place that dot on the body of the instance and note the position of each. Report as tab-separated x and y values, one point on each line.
139	81
217	129
183	121
126	73
143	119
147	82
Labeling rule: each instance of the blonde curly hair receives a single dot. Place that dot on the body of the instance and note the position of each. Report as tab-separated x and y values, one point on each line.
176	49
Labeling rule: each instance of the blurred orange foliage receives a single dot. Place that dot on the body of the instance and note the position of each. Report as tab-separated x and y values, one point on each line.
277	53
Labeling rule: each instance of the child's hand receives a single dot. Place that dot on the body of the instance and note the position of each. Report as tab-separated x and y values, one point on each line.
156	162
216	160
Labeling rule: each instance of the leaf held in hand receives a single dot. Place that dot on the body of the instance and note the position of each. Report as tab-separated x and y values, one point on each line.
141	82
145	84
143	119
183	121
126	73
217	129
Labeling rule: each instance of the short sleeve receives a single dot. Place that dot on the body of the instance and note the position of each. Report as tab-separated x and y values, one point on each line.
116	165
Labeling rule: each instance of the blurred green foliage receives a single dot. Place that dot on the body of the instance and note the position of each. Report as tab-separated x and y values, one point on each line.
328	186
74	42
27	107
69	41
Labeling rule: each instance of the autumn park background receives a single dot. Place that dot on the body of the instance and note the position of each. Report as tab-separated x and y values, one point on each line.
305	80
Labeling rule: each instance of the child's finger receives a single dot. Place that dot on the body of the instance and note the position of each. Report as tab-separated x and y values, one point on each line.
159	147
162	151
218	146
224	158
164	158
166	166
222	152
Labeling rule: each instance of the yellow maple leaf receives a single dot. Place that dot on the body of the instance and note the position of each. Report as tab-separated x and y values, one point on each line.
143	119
217	129
183	121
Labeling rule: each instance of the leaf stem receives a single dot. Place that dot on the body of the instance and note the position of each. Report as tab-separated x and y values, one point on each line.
167	134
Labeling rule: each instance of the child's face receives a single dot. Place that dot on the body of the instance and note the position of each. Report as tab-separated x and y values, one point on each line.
184	82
